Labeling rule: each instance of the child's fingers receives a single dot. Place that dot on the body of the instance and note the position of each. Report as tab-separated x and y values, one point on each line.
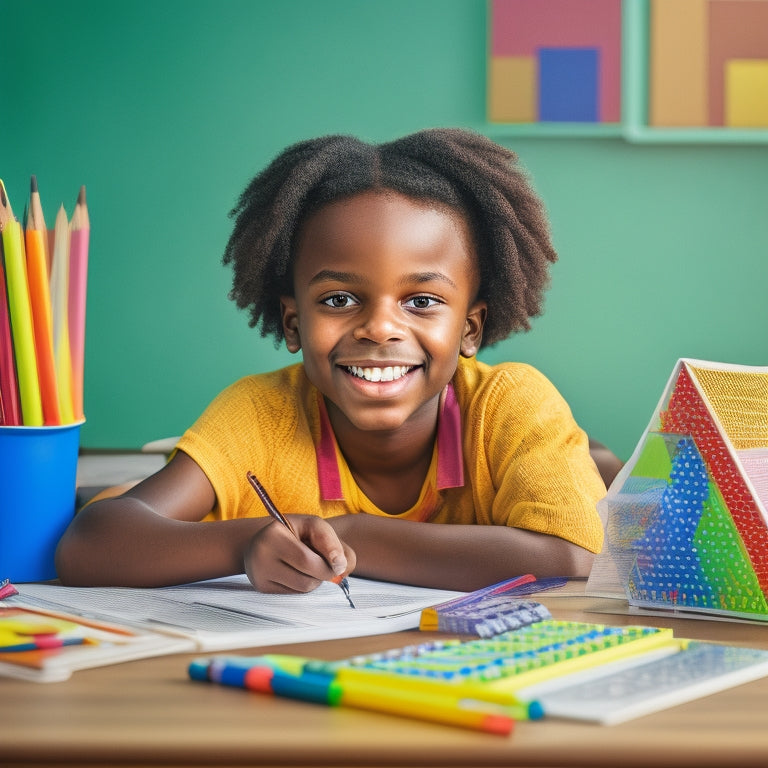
339	559
351	558
284	579
276	561
279	561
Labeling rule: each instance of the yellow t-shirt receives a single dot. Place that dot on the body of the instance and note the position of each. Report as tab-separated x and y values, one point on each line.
524	460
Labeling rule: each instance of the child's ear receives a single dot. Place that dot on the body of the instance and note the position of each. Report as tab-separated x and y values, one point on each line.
473	329
290	323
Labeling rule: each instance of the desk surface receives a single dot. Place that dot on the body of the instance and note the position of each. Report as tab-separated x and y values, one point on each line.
148	713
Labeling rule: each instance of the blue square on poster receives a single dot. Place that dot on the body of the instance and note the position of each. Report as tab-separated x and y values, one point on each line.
568	84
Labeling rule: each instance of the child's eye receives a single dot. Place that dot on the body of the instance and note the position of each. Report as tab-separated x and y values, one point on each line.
422	302
339	301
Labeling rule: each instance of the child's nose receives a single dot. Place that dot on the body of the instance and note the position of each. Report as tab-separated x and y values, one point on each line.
381	322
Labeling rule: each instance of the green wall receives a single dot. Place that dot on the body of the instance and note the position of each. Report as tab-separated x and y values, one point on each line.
164	110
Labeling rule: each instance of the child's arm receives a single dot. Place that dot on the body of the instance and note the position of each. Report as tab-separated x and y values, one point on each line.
461	557
607	462
152	535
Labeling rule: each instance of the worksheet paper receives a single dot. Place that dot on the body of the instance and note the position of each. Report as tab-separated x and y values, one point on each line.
226	614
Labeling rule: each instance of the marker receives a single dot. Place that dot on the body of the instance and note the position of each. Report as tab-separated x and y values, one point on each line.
335	690
474	694
473	714
275	514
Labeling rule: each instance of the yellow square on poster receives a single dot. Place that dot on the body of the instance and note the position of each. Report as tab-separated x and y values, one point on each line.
512	89
746	93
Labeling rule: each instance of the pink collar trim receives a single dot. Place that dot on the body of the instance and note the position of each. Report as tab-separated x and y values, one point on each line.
450	459
450	454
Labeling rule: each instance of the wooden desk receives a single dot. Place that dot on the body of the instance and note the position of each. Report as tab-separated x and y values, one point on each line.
148	713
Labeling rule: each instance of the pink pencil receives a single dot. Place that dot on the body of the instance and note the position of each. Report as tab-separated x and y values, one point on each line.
79	236
9	392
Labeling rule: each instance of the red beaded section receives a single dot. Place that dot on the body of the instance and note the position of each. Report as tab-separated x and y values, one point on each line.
687	414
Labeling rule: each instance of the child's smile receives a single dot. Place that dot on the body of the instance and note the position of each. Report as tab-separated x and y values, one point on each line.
380	380
389	373
385	301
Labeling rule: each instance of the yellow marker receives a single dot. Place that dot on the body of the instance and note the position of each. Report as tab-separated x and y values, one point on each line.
336	689
478	693
409	702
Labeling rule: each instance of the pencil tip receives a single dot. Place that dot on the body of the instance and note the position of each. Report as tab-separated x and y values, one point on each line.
81	196
3	198
33	184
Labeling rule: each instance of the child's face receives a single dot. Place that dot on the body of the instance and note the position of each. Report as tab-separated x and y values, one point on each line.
385	301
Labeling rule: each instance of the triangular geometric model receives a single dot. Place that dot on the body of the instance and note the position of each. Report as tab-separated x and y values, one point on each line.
685	520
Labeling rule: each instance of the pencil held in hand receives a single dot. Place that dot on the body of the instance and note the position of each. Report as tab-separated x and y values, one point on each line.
275	514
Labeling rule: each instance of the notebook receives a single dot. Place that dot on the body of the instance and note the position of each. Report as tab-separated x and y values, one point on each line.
215	615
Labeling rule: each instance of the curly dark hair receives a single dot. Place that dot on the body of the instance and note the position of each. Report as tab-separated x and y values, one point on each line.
450	166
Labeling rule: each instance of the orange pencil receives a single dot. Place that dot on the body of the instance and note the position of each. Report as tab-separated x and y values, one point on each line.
79	234
36	214
40	299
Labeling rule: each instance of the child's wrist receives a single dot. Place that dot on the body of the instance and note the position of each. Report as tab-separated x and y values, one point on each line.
340	524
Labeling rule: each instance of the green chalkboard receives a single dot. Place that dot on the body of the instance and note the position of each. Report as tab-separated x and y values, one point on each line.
165	109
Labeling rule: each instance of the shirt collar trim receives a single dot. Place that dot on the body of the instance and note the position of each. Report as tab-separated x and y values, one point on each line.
450	460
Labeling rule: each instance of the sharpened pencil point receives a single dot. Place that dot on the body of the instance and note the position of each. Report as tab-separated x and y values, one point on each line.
33	184
275	514
6	212
81	196
344	584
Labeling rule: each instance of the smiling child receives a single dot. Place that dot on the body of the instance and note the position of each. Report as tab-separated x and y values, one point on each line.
393	451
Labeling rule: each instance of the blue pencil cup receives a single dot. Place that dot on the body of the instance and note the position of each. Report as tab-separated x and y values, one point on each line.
38	476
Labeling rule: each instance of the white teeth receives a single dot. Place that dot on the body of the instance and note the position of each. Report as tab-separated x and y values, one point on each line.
390	373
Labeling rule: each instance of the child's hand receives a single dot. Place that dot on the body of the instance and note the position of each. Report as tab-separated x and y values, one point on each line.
278	561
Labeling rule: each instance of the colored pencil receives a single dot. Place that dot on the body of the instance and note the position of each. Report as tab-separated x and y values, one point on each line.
10	407
40	300
21	315
36	214
59	310
78	279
